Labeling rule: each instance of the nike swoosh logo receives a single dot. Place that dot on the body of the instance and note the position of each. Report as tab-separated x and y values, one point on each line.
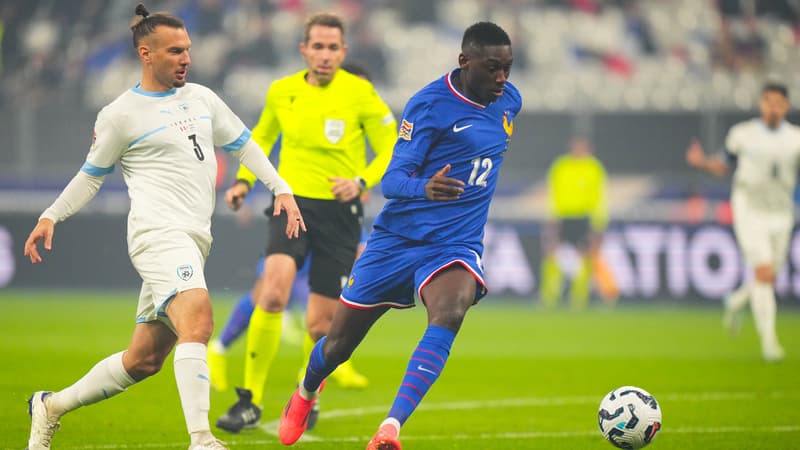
456	128
420	367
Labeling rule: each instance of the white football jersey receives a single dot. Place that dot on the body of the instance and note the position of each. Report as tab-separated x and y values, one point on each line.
767	164
164	143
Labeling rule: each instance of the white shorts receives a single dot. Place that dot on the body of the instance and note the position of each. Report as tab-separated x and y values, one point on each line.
170	263
763	237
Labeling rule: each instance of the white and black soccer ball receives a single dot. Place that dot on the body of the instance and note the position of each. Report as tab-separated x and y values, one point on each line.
629	417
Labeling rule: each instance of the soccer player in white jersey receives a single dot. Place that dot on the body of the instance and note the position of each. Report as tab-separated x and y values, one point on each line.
765	155
162	133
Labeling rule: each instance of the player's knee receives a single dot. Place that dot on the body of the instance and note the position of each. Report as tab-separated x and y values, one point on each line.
318	329
765	273
450	318
270	299
201	332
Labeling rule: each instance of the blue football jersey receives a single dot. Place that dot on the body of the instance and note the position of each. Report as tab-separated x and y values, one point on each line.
441	126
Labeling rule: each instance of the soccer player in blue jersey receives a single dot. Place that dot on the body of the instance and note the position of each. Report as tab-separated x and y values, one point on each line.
427	240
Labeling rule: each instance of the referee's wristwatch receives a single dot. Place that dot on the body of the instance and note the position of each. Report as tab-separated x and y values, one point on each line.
362	183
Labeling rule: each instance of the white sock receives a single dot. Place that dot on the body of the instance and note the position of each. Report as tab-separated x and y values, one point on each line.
739	298
105	380
217	346
201	437
764	310
191	375
305	393
393	422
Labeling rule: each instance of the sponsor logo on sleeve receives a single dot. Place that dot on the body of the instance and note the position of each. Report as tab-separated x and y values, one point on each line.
406	129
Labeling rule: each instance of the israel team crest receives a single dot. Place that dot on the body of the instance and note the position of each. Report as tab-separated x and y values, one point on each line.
334	130
185	272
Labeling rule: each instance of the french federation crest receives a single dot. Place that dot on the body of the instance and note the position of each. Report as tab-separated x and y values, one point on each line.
334	130
185	272
508	125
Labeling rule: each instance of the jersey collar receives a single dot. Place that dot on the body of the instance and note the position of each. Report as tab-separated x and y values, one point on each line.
449	80
138	89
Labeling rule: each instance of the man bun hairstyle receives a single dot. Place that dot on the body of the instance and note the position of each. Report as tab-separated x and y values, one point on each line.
483	34
145	23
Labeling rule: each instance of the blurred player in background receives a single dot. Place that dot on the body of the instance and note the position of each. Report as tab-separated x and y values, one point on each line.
427	240
162	133
322	115
578	215
764	154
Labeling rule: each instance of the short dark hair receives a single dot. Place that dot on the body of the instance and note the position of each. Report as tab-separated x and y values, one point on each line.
145	23
774	86
325	20
483	34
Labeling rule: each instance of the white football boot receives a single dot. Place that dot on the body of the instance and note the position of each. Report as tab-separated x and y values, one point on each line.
214	444
43	426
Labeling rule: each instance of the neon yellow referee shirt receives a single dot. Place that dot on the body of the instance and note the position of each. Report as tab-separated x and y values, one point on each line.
322	132
577	188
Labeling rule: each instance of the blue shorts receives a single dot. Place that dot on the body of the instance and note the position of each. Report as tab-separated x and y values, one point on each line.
392	269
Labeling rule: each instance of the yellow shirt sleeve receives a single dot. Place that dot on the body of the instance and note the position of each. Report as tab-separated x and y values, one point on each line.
599	214
380	128
265	133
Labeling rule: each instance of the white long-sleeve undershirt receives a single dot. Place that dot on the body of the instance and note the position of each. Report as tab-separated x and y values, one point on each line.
257	162
82	188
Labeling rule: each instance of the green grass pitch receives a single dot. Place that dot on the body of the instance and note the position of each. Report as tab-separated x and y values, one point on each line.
519	377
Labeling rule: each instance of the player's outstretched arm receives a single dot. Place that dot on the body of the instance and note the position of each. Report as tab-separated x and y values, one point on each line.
441	188
295	223
43	230
78	192
696	157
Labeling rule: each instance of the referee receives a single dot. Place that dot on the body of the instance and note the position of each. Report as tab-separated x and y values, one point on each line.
323	115
578	215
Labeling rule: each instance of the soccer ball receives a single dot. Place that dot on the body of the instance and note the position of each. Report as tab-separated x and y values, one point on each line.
629	417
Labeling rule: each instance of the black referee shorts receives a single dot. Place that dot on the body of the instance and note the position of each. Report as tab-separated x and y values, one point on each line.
575	231
334	231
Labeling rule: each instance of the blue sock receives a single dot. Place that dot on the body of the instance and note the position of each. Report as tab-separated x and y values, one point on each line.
424	368
238	321
317	369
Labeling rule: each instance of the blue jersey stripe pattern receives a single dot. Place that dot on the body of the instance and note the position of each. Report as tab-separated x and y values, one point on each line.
423	370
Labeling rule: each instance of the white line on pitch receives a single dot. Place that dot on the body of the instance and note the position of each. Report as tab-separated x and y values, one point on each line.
463	436
271	427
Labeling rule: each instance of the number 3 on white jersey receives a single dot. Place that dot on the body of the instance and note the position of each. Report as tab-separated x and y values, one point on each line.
477	164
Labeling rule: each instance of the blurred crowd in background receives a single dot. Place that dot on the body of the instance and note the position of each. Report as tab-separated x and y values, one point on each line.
638	79
600	54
